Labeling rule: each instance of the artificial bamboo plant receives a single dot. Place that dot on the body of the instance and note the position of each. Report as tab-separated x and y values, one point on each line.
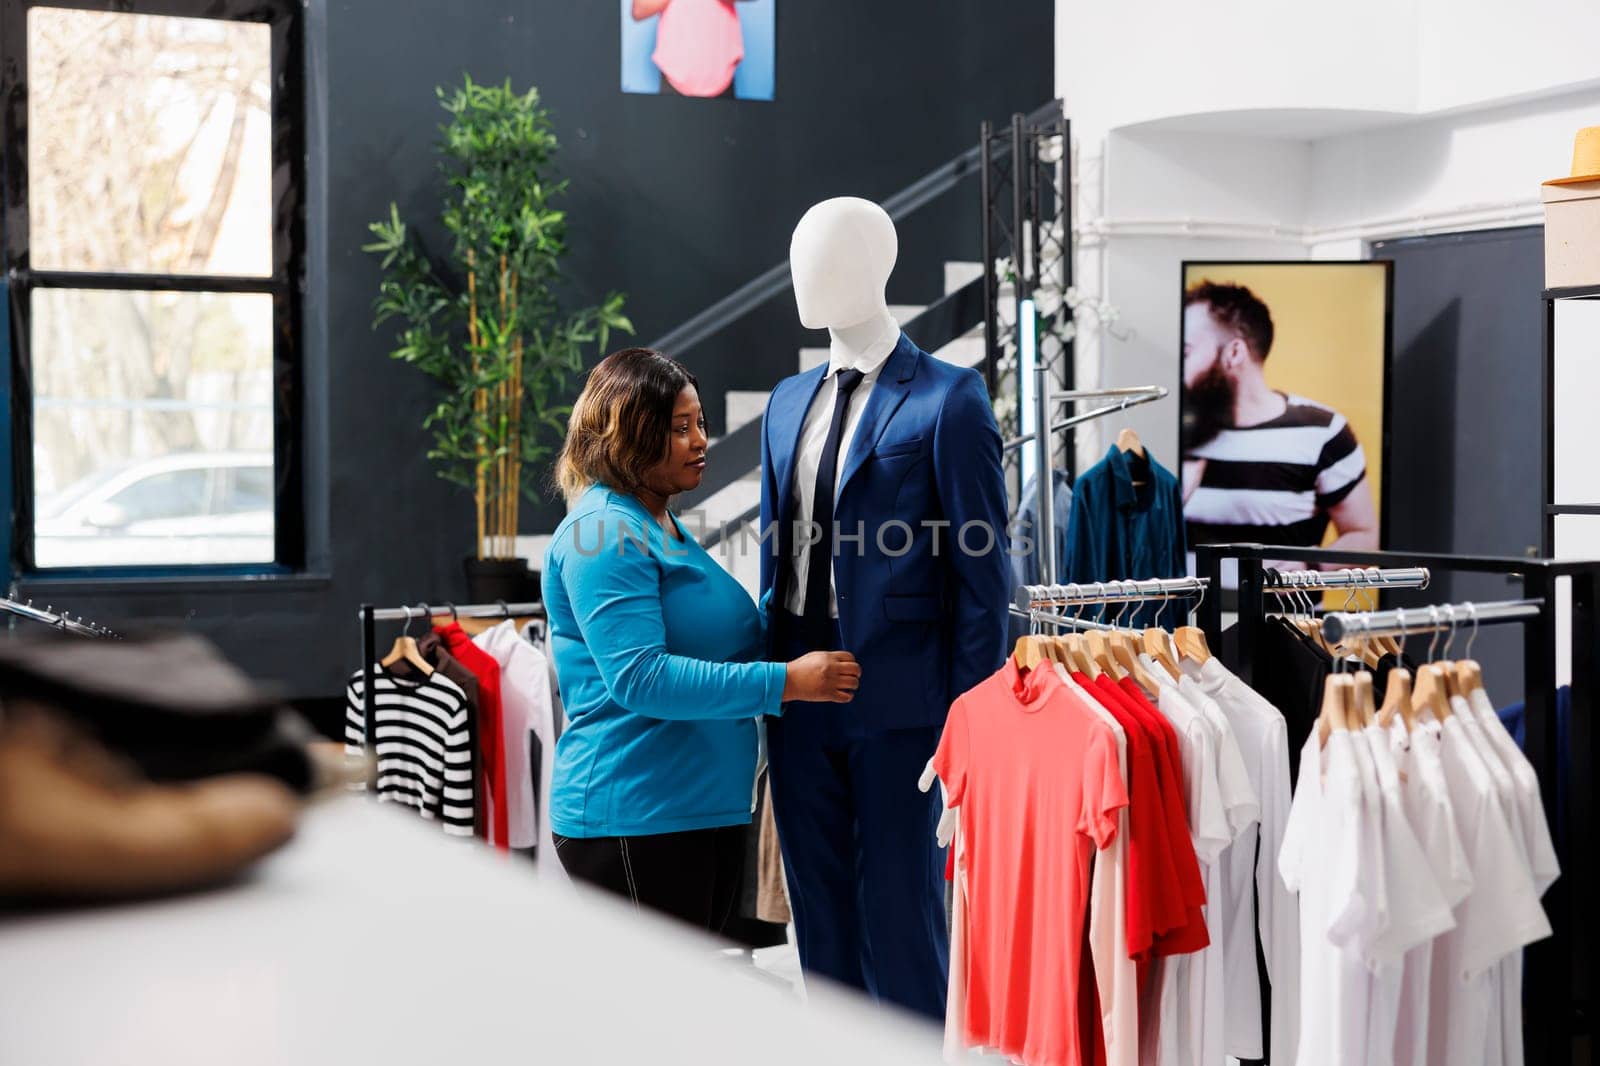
488	323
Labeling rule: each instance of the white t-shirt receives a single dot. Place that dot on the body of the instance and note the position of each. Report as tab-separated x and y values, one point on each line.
1534	832
1324	861
1417	908
1273	913
1185	1026
1116	974
1530	804
1500	915
526	709
1239	801
1426	799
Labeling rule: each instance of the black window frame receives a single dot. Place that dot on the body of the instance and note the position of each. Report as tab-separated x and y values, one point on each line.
285	284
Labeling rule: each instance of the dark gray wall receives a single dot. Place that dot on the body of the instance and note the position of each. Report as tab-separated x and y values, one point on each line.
674	201
1465	421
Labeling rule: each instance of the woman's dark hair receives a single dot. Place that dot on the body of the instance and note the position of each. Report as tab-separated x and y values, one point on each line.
622	421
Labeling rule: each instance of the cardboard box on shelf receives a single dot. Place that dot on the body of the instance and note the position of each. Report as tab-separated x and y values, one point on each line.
1572	234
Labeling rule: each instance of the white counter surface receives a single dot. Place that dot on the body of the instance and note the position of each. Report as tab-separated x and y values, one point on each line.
372	939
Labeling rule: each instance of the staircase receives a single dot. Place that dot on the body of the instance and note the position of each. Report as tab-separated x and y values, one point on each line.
736	503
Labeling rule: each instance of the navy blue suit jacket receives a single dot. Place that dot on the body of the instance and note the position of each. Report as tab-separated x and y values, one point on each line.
925	616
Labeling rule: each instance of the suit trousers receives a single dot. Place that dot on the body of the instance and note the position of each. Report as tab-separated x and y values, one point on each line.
865	874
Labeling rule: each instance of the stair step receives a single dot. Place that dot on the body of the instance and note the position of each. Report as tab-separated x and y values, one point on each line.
963	351
743	406
958	275
726	505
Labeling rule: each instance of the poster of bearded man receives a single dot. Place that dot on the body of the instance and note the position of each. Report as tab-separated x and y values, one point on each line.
1283	403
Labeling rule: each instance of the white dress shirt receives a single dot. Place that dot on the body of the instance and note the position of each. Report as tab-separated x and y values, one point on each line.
808	454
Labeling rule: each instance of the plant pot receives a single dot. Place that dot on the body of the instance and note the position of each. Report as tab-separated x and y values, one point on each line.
489	580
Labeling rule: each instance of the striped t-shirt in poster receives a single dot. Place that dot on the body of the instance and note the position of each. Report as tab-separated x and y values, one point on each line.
424	744
1275	482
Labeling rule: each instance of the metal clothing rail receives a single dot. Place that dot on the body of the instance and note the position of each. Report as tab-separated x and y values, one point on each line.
1062	621
471	610
1341	625
1135	395
1293	582
1031	597
1557	1009
47	616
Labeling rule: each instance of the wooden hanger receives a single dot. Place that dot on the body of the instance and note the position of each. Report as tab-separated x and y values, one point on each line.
1397	700
1335	712
1364	706
1126	653
1128	441
1028	653
1056	645
1191	642
1158	645
405	647
1078	649
1099	642
1070	654
1447	678
1429	694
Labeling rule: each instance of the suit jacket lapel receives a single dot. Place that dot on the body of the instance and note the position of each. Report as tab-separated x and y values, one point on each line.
787	423
892	387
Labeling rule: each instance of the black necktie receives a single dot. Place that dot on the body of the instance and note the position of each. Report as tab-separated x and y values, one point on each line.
819	572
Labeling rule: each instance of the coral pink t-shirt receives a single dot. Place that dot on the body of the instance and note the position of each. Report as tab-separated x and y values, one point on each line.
1035	775
699	46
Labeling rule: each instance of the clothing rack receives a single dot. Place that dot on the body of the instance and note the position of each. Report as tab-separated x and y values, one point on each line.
371	615
47	616
1556	1019
1045	400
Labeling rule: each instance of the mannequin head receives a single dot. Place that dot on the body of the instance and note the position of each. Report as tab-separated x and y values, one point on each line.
841	256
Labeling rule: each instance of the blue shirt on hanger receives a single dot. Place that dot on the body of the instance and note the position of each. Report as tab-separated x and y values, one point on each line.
1028	533
1123	531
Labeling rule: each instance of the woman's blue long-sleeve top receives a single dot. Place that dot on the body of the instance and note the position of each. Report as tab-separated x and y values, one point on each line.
657	651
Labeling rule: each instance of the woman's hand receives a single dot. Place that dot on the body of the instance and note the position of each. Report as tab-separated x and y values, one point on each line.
822	677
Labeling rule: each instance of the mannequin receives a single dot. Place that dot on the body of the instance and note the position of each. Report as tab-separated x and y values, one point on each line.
840	257
873	567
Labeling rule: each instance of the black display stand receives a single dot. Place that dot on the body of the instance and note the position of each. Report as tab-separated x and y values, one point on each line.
1547	459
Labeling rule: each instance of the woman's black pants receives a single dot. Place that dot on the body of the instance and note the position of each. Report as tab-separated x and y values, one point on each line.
693	876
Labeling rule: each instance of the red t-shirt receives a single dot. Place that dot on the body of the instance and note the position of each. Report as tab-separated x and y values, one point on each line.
1035	775
491	752
1193	935
1152	903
